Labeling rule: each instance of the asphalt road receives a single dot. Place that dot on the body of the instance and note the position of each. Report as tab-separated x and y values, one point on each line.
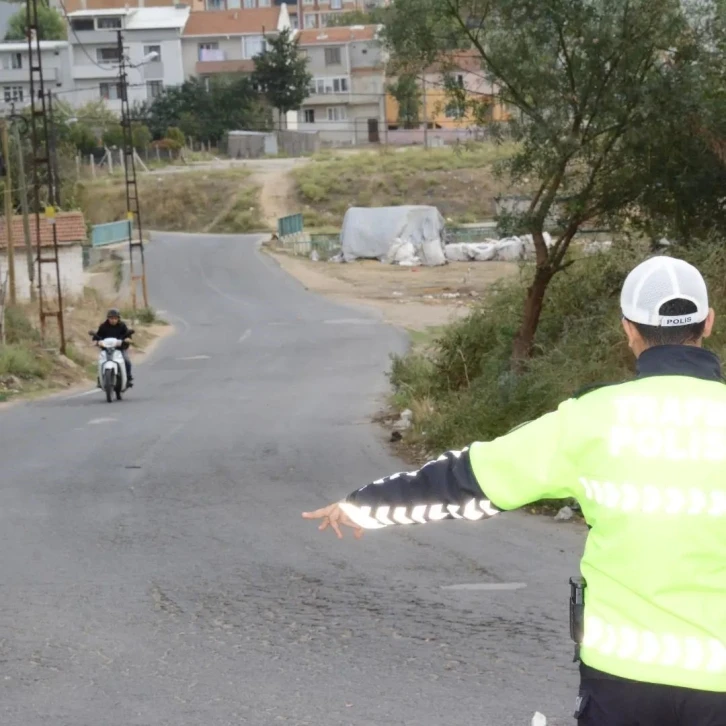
156	570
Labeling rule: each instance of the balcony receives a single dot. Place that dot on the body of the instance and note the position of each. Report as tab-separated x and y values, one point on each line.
153	71
328	99
88	70
22	75
207	68
93	37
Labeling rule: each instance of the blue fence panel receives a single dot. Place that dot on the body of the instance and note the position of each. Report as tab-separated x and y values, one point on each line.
292	224
108	234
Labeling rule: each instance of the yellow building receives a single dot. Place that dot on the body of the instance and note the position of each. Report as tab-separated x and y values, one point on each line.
441	113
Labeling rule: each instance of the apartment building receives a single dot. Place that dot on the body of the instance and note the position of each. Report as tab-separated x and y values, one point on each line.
226	41
347	100
15	71
70	6
317	13
146	31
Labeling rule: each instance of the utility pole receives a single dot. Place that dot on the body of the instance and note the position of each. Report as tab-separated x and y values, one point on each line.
23	190
9	214
425	116
42	163
133	212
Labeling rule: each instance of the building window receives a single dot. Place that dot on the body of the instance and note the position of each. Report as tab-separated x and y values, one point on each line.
294	23
154	89
329	85
310	20
110	91
231	5
209	52
332	56
14	60
336	4
107	55
153	49
337	113
253	46
460	80
13	94
83	24
309	115
249	4
324	19
218	5
308	2
263	3
455	110
108	23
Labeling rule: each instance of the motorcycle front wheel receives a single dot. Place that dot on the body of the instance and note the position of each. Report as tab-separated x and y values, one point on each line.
108	384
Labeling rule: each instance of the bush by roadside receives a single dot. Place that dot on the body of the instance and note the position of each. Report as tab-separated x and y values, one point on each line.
460	387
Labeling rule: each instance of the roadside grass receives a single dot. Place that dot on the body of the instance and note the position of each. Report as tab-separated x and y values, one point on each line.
459	181
461	388
178	202
30	366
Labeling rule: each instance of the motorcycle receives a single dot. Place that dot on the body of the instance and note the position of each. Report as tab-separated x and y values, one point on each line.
111	377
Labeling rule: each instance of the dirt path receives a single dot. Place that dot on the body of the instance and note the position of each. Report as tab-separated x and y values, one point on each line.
415	298
277	192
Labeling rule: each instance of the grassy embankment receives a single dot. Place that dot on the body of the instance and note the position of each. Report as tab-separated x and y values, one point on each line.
458	381
29	367
187	201
458	181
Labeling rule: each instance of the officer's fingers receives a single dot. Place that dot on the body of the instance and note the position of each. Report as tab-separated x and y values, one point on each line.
359	531
319	513
334	523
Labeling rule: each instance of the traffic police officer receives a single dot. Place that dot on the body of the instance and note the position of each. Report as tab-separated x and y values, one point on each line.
646	459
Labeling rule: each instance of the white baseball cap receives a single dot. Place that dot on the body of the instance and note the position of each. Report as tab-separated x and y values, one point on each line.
659	280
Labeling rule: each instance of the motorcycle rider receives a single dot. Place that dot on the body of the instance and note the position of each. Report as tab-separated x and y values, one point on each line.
114	327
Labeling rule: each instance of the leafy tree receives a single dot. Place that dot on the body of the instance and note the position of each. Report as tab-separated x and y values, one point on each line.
176	136
408	96
51	25
281	73
114	136
140	135
586	80
374	16
206	112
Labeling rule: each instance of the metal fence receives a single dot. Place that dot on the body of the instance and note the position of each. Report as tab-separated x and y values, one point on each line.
292	224
110	233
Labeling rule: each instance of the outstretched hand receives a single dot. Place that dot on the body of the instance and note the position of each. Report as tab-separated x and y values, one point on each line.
333	516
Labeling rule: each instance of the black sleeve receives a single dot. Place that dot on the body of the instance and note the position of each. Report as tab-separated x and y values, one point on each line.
442	489
124	332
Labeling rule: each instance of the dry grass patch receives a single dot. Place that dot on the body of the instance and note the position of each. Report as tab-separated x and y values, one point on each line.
459	181
211	201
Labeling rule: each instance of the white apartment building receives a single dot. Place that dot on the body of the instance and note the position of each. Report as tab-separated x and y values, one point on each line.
15	71
95	60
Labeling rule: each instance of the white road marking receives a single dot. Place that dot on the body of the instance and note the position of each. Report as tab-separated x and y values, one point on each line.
487	586
80	395
195	357
245	335
95	421
351	321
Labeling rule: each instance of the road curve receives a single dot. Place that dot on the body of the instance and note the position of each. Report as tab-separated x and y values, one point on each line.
156	571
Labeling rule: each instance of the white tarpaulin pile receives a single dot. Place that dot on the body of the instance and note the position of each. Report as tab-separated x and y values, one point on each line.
508	249
405	235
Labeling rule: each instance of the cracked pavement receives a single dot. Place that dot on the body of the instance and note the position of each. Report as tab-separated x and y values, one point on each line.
156	570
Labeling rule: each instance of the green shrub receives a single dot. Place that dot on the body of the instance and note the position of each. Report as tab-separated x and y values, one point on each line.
23	362
18	328
470	390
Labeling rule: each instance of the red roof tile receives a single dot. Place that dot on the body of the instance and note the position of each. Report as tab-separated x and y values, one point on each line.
232	22
70	227
337	35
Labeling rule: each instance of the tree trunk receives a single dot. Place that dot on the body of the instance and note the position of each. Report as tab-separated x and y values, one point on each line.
524	339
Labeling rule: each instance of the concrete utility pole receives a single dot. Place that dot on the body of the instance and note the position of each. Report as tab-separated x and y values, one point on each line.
9	214
23	190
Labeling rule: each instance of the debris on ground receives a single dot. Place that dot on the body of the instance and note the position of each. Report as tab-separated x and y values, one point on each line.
539	719
564	514
405	420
